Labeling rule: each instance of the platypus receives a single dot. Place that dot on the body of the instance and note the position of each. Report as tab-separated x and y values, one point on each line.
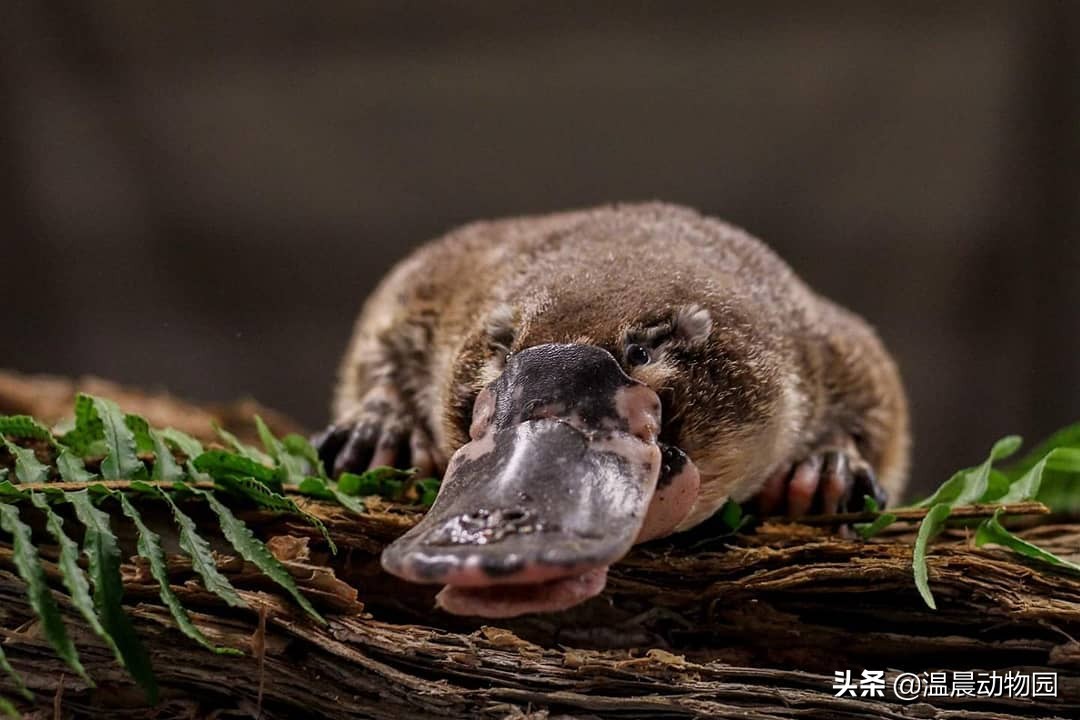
593	379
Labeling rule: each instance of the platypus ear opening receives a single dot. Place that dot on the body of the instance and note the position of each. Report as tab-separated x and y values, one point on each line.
692	324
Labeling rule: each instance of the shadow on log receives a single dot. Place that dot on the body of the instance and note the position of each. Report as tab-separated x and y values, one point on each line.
752	626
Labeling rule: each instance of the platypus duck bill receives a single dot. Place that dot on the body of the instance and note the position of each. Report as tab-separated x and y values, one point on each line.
563	474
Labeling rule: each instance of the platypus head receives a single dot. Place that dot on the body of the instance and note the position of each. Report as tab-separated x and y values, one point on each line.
608	401
562	474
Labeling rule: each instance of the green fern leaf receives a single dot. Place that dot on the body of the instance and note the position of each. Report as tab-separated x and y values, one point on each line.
298	446
71	468
218	463
243	449
121	457
263	496
74	579
24	427
992	531
140	428
997	485
31	571
28	469
16	679
103	556
165	467
383	481
349	502
254	551
930	526
971	484
315	487
1027	486
9	709
194	475
8	491
270	443
869	530
202	560
1066	437
1063	460
183	442
149	547
323	489
974	491
429	490
88	436
291	469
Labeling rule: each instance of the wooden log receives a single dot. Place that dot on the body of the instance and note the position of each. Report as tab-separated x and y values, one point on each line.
752	626
756	629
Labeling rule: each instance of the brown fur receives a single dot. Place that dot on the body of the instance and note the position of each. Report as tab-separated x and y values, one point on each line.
756	371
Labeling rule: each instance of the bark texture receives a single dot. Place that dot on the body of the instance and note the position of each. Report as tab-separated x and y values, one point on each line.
751	626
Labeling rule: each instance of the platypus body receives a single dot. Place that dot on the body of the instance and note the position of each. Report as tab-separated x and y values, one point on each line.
589	380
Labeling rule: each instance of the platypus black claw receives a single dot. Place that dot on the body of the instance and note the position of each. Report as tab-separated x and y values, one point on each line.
833	480
379	433
329	443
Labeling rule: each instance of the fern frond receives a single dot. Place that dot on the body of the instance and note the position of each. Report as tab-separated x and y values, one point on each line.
28	469
8	709
8	491
87	437
103	556
121	450
243	449
149	547
254	551
263	496
291	469
221	462
298	446
202	560
323	489
24	427
30	569
73	576
140	428
72	468
183	442
165	467
104	460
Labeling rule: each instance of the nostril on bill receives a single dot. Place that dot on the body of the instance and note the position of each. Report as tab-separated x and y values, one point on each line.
483	526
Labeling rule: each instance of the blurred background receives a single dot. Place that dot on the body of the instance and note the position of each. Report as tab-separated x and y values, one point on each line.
199	195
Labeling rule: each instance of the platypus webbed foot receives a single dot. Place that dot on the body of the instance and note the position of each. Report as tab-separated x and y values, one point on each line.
832	480
380	432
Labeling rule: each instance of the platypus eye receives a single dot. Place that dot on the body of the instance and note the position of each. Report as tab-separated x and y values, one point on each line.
637	355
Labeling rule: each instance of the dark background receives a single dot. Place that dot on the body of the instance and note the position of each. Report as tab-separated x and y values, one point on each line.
199	195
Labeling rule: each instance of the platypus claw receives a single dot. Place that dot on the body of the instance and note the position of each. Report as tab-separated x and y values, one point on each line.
379	433
832	480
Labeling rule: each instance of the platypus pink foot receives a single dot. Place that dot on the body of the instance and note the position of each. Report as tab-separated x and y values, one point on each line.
380	432
832	480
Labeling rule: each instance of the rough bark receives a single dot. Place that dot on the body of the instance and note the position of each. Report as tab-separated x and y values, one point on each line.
752	626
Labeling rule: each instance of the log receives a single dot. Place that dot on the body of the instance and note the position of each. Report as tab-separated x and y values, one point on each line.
702	625
49	398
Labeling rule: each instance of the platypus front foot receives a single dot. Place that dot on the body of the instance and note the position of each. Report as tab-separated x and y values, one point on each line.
831	480
379	432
